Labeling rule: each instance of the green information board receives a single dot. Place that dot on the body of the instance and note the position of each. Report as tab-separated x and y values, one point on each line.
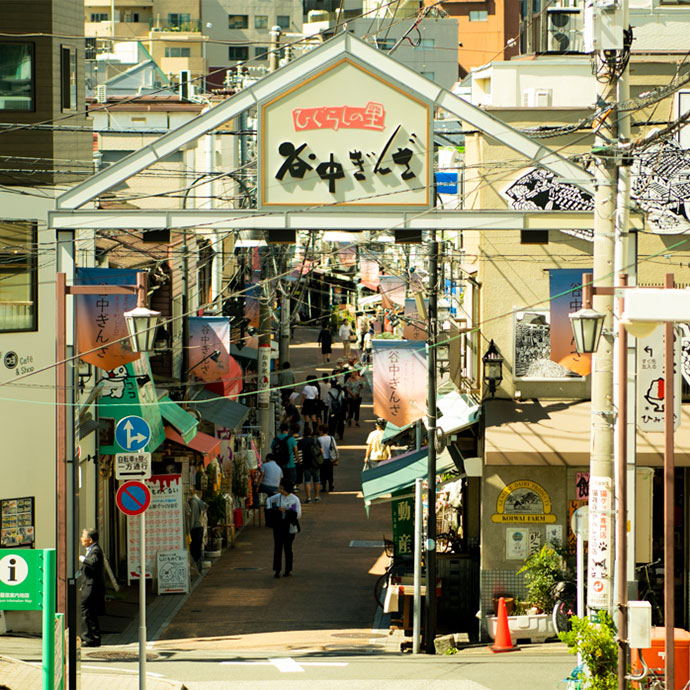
21	580
403	523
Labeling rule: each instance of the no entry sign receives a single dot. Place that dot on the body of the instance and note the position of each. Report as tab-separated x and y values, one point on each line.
133	498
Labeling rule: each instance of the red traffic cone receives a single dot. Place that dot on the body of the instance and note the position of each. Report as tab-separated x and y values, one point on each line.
502	641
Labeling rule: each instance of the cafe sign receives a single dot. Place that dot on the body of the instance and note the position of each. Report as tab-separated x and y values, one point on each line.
345	137
523	501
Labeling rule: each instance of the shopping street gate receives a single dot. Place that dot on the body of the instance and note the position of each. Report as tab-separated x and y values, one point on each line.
27	583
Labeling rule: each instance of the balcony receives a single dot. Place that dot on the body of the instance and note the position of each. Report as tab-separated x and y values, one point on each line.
191	25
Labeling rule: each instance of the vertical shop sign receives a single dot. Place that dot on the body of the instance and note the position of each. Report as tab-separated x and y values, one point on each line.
403	524
164	524
582	486
572	537
600	566
651	383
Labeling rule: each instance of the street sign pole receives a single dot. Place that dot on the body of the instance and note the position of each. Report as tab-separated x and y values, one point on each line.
49	619
142	603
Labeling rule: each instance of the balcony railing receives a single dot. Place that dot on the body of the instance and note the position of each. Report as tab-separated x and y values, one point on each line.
193	25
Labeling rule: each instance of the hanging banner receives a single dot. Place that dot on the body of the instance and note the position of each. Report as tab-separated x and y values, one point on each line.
600	566
369	273
346	256
206	335
345	136
101	320
393	290
164	525
252	294
400	378
565	289
414	328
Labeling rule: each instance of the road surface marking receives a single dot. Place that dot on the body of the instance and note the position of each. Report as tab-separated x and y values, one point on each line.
285	664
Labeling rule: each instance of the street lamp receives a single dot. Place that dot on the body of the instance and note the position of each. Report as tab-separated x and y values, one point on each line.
587	326
493	368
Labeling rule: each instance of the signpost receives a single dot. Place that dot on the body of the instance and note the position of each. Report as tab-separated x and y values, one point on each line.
132	465
132	433
27	583
133	498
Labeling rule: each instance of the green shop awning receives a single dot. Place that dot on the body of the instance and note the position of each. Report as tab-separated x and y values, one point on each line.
456	411
184	422
379	482
391	432
219	410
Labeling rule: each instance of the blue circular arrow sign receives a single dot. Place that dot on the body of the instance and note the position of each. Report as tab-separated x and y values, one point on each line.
133	498
132	433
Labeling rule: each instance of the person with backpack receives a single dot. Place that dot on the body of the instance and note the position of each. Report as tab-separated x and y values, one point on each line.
283	449
312	460
330	458
336	409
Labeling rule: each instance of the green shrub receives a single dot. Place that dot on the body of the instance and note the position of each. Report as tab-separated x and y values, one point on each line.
542	570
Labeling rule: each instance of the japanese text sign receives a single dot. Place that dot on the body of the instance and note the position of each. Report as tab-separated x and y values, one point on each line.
21	580
346	137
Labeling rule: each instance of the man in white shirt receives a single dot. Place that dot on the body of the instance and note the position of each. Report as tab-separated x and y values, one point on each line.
344	333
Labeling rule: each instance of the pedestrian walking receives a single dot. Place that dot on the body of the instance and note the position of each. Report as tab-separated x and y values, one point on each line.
285	510
376	450
310	406
337	408
354	384
299	465
345	334
325	339
197	515
286	382
312	460
92	589
270	476
283	449
330	458
368	346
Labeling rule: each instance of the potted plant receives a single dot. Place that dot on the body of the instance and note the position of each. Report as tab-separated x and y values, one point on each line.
216	517
543	569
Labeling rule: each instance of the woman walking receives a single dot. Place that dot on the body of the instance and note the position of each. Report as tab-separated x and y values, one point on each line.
311	407
337	407
325	339
330	458
285	525
353	389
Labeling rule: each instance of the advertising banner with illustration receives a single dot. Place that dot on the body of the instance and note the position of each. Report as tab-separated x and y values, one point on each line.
565	288
101	320
369	273
399	381
206	335
164	525
129	390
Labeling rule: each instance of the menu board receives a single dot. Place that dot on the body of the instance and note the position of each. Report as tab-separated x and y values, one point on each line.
17	522
164	524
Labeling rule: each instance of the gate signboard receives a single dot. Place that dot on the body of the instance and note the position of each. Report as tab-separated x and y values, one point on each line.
346	137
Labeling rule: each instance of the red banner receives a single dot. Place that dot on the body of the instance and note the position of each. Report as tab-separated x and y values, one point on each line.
206	335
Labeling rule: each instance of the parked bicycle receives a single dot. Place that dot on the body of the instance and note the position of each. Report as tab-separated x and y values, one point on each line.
564	594
647	593
399	565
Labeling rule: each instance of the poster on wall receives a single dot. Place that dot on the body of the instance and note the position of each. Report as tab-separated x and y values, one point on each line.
532	344
173	572
600	566
17	526
164	524
517	543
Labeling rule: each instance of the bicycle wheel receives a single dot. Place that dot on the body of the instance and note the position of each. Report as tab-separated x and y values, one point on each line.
392	574
562	611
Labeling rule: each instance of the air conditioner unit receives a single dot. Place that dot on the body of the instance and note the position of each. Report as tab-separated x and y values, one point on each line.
537	98
564	27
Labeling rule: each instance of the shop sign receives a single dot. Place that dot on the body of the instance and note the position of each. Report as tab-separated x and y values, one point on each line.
523	501
651	383
21	580
600	537
345	137
403	524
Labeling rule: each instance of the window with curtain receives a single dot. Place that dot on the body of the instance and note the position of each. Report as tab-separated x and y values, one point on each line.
18	276
238	21
16	76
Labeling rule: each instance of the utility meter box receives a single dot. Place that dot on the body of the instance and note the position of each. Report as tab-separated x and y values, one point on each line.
603	26
640	624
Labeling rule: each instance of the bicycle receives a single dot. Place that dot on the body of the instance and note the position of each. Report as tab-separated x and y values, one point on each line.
647	591
564	593
448	542
398	566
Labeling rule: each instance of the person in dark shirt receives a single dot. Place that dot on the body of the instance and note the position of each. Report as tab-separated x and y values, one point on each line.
92	589
325	339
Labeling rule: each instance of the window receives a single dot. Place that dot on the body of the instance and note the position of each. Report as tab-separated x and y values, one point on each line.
175	52
426	44
283	21
479	16
385	43
100	17
261	21
261	53
16	76
534	236
238	21
178	19
18	276
131	17
238	53
429	75
68	78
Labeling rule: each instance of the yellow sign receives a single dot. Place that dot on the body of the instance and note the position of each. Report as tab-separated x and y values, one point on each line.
523	501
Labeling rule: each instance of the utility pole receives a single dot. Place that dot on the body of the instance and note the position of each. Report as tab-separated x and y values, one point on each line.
284	337
263	387
273	56
430	632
